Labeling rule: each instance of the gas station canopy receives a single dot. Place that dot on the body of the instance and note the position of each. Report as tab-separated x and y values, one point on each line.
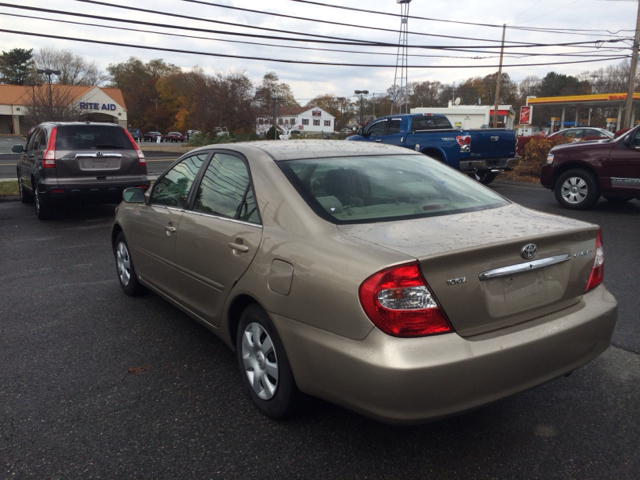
597	100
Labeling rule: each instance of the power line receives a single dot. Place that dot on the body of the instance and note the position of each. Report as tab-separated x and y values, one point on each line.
302	62
511	55
334	40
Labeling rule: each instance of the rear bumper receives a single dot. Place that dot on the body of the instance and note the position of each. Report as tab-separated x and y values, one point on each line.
109	193
493	164
406	381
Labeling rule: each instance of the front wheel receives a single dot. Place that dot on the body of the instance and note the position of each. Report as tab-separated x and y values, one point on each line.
577	189
24	196
126	271
264	365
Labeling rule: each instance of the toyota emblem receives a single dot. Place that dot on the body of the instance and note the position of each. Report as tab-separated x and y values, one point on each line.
529	251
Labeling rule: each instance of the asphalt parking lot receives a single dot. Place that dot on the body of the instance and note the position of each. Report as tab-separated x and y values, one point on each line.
95	384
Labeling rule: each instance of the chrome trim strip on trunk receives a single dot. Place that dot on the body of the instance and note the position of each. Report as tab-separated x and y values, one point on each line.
95	155
524	267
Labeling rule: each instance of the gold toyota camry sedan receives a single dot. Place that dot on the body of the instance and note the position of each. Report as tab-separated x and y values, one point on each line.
367	275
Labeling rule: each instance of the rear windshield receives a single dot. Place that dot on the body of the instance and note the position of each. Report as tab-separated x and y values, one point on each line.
384	188
92	137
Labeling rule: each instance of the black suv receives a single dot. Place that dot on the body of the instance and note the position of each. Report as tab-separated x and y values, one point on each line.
73	160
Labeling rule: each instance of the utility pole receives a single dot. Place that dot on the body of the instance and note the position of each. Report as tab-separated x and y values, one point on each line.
632	75
495	107
49	72
275	116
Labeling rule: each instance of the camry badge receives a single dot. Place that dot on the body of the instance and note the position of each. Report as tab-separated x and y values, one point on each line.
99	154
529	251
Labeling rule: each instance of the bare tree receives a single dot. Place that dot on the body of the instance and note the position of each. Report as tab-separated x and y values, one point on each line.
54	103
74	69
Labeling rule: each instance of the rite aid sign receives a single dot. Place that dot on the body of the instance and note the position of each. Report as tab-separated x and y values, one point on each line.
96	106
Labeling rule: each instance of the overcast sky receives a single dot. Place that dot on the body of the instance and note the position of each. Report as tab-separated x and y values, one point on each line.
598	22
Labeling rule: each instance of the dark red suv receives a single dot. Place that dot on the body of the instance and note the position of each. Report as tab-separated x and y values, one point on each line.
579	173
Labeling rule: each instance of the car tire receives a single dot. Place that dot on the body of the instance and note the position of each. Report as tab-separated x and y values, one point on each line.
616	199
264	365
24	196
44	209
126	271
577	189
485	177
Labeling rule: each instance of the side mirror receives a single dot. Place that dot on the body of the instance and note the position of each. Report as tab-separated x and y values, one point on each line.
133	195
18	149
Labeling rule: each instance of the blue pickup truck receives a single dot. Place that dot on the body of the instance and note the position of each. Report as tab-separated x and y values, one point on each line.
481	154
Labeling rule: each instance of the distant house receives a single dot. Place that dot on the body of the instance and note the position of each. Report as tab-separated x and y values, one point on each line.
312	120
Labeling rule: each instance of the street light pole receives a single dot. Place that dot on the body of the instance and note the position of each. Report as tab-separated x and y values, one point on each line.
275	116
361	93
49	72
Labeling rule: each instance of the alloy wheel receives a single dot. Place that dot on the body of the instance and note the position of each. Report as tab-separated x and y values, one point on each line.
574	190
260	361
123	261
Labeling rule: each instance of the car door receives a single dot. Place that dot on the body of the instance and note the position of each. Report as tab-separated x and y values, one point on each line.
395	133
155	225
218	237
623	166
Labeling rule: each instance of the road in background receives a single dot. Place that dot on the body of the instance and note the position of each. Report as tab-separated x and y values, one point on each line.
98	384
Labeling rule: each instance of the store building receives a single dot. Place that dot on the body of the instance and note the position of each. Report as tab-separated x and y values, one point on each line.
96	104
474	116
313	120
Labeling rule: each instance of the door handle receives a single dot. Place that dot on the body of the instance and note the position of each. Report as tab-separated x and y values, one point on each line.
239	247
170	229
378	140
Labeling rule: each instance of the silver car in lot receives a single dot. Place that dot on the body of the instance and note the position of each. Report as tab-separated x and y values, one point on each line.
368	275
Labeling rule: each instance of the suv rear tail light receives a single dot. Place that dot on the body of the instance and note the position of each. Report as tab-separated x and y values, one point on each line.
398	301
49	157
597	271
141	159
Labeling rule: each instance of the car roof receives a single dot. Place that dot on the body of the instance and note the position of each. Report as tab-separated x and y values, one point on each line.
59	124
307	149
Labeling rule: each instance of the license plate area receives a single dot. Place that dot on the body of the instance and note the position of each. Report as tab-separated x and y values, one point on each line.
520	292
99	163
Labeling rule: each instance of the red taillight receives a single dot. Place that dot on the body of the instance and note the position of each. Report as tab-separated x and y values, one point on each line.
597	271
49	157
463	140
398	301
141	159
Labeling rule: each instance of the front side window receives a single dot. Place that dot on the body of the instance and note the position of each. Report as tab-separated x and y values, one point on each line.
225	190
38	140
377	128
172	190
385	187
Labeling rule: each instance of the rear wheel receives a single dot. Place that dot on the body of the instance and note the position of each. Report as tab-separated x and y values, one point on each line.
44	209
126	271
485	177
577	189
24	196
264	365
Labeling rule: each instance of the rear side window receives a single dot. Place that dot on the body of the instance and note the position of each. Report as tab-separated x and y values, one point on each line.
92	137
429	123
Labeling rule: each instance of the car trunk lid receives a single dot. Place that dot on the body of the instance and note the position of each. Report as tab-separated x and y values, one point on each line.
474	262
